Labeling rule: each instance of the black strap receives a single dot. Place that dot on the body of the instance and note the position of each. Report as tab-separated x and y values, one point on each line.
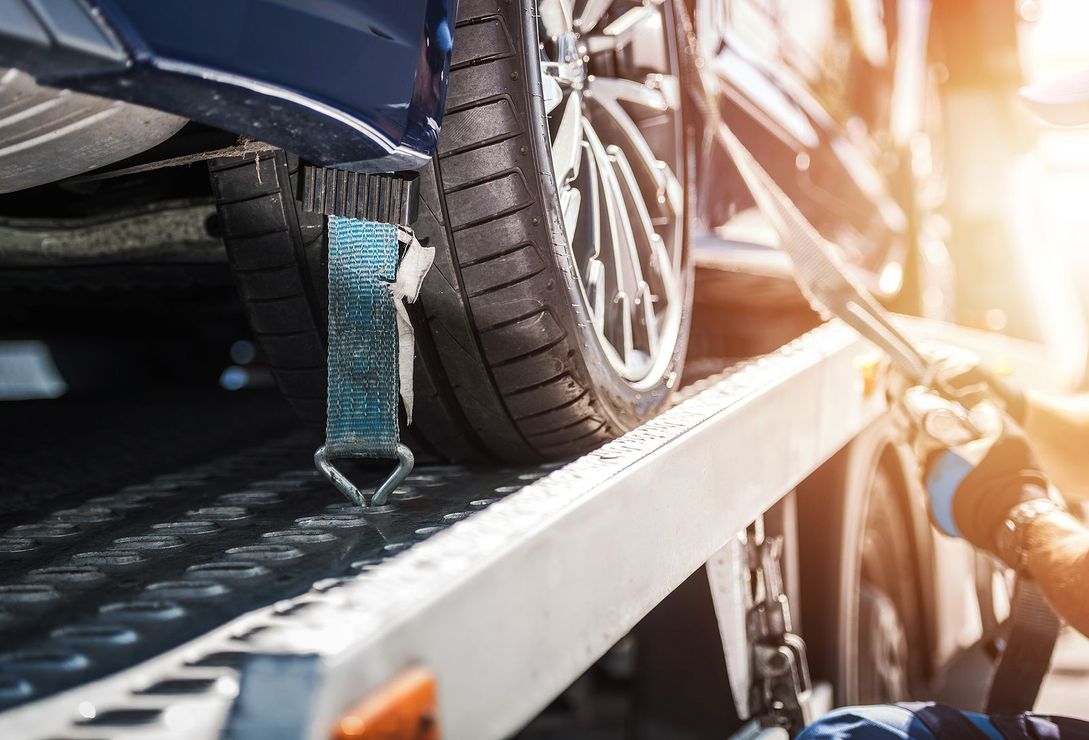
1066	728
944	722
1033	629
1025	727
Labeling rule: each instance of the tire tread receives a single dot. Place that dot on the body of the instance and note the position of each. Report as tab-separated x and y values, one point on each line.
498	372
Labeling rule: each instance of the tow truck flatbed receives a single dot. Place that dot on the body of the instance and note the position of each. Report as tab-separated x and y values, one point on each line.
194	643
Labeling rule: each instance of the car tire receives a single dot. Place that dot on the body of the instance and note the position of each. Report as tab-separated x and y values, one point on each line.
862	595
514	360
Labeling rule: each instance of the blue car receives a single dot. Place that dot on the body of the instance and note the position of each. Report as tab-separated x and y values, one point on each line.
548	150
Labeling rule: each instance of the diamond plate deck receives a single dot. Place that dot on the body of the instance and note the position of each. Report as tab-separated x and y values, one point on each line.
117	579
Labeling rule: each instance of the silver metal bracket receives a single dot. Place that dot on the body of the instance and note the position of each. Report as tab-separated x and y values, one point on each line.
405	462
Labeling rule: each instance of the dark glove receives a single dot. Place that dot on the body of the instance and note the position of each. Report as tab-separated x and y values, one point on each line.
973	486
967	381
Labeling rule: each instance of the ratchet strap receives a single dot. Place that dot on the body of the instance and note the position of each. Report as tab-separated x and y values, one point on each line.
370	347
1033	629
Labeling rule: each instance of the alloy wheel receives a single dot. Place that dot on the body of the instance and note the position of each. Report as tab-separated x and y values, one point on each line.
610	77
883	649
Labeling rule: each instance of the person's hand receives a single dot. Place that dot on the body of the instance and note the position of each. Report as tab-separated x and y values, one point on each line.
973	486
965	379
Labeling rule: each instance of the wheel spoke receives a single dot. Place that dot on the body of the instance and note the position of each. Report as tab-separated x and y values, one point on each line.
640	240
669	87
555	16
630	336
567	146
622	31
643	235
617	327
595	293
607	92
666	270
591	14
611	90
553	93
624	27
650	318
632	204
595	200
597	274
620	233
627	330
570	206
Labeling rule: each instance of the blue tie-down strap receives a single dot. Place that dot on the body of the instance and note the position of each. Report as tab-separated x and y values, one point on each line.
363	353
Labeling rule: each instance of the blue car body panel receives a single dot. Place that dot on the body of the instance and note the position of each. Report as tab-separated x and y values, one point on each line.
358	84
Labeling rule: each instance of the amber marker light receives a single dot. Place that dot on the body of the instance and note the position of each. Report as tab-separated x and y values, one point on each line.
403	709
1002	366
871	369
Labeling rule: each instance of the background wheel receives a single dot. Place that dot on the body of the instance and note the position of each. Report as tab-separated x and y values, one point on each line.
861	591
556	314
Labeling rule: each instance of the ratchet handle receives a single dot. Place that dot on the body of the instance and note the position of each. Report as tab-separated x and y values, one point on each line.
941	423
